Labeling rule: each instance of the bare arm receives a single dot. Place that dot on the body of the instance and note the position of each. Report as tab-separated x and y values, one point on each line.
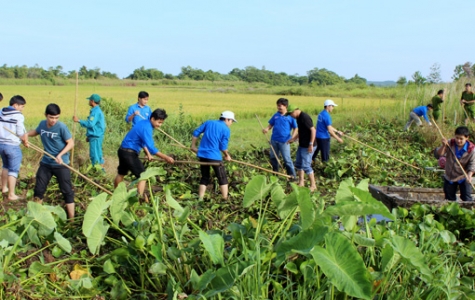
265	130
69	146
32	133
193	144
333	132
165	157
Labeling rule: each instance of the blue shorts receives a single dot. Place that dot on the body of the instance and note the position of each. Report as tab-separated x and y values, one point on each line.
11	157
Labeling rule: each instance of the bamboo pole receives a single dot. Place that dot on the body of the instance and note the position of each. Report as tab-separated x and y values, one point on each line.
403	162
269	141
452	151
196	162
75	113
233	160
36	148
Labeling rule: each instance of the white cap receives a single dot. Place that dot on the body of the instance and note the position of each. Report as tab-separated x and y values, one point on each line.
329	102
228	115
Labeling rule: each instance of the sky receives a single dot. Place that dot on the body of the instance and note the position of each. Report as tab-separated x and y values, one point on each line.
376	39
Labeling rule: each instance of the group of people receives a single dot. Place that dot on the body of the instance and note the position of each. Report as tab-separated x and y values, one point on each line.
290	124
456	155
467	101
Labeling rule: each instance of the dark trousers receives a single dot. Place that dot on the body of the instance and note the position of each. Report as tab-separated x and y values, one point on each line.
218	170
323	146
63	176
451	189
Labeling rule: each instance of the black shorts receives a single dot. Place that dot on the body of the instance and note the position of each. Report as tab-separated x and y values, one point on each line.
129	161
218	170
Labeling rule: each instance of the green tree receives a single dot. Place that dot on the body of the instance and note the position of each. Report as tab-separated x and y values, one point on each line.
418	78
324	77
357	80
434	75
401	80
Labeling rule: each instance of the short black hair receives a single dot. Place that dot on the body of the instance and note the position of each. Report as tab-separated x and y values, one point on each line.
143	94
17	99
462	130
469	84
159	114
53	109
440	92
1	97
430	105
283	101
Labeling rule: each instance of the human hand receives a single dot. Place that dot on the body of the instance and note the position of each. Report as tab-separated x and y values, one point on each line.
265	130
75	119
339	140
194	149
169	160
59	160
310	148
228	157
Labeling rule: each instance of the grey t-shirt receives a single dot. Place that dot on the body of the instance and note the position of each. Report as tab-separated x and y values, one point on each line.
54	140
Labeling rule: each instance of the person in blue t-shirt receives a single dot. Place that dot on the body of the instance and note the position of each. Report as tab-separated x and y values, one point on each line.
325	130
215	140
420	111
57	141
96	127
140	136
282	128
140	110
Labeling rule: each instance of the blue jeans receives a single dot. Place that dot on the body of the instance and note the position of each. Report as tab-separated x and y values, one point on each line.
323	146
11	157
304	160
284	150
450	190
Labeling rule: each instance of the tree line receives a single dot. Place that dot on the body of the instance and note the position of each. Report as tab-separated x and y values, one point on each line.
316	76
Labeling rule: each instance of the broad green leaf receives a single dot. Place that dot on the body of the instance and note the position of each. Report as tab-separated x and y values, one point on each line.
388	258
152	172
62	242
119	202
291	267
307	208
158	268
349	222
33	235
171	201
10	236
289	204
277	195
224	278
201	282
96	237
343	265
36	267
214	245
408	250
43	217
303	242
108	267
57	210
352	208
448	237
344	193
363	185
360	239
256	189
366	197
127	218
93	215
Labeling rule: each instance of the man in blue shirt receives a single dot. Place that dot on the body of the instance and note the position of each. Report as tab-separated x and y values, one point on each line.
57	141
140	136
215	140
140	110
282	127
96	126
325	130
419	112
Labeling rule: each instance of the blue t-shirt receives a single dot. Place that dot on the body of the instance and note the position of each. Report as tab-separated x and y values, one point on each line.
54	140
141	135
95	123
215	139
323	121
282	125
145	113
421	111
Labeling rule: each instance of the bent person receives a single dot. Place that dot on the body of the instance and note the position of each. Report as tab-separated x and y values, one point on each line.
416	113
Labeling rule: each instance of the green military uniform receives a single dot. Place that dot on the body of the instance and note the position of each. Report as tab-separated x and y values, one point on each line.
437	106
469	107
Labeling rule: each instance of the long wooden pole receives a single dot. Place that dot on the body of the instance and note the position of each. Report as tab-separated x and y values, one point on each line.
403	162
233	160
36	148
452	151
191	162
75	113
270	143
